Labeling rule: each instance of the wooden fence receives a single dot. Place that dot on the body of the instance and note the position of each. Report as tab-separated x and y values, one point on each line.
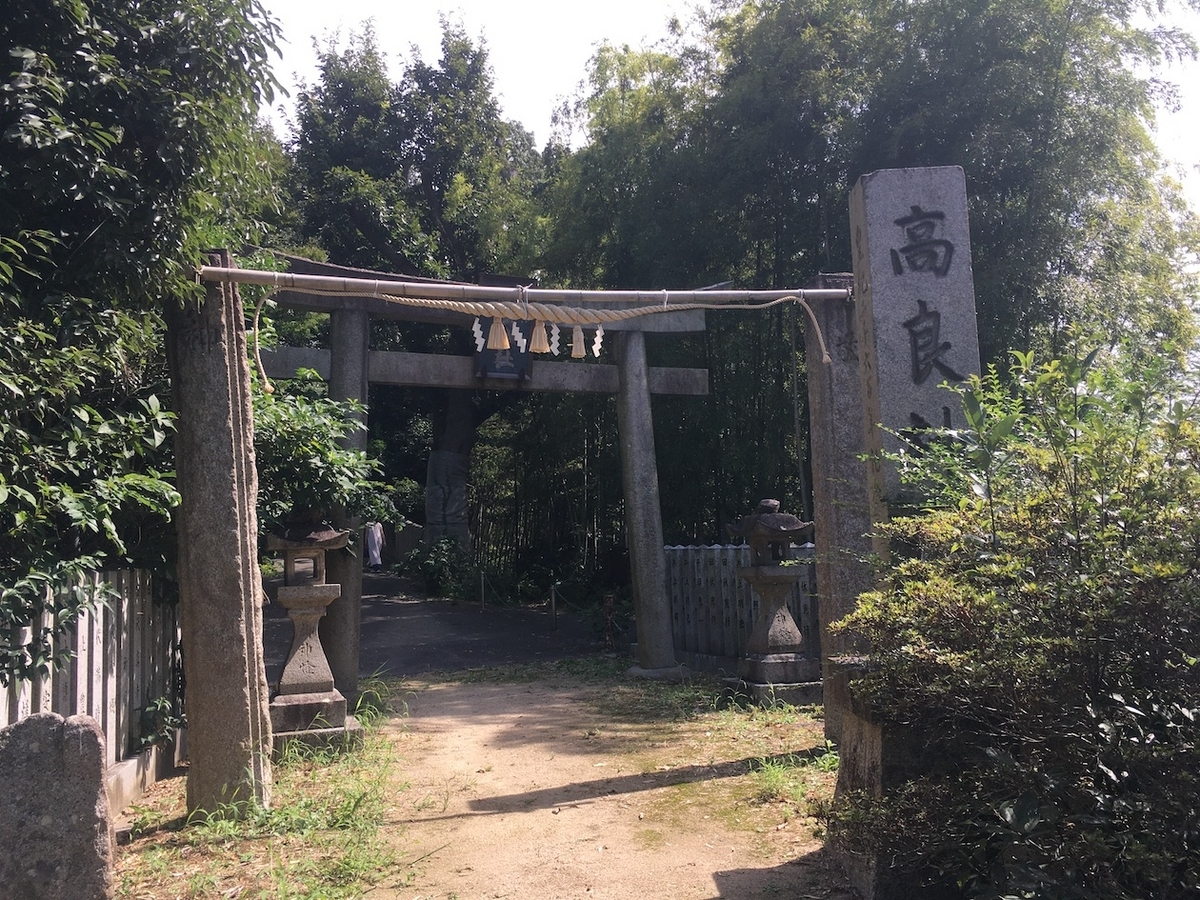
122	658
713	610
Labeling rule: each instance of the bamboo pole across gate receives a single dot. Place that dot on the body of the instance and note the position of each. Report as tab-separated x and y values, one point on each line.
420	290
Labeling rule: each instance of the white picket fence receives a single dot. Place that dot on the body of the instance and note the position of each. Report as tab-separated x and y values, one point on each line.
122	658
713	609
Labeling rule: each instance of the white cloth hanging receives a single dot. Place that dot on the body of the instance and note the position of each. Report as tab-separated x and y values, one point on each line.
374	545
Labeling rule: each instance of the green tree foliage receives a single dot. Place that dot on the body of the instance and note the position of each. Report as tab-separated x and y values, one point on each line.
728	153
651	200
120	126
420	176
628	209
1040	637
732	156
471	172
789	86
546	494
1047	108
347	169
304	472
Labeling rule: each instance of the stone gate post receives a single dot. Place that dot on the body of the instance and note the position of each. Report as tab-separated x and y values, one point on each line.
840	508
220	586
915	330
350	331
643	512
915	314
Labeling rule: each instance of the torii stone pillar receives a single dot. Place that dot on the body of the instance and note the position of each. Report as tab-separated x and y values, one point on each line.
840	505
350	331
220	586
643	512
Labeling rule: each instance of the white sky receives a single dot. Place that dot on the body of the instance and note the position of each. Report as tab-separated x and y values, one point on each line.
539	50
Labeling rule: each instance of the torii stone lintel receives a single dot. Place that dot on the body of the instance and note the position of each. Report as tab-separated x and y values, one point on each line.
443	370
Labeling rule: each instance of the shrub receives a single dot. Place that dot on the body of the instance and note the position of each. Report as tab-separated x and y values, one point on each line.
303	469
445	567
1041	632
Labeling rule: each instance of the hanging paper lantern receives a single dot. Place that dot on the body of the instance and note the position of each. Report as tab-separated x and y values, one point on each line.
539	342
497	339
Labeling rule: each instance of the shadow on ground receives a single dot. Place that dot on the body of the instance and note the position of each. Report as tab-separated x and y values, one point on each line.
816	873
404	633
548	798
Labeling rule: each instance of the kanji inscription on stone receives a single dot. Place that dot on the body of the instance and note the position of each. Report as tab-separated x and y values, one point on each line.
925	252
914	304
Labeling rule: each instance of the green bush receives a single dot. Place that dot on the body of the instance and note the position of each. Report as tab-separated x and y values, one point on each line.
303	470
445	568
1041	635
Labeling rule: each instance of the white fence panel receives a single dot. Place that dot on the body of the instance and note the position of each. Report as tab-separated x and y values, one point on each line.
122	658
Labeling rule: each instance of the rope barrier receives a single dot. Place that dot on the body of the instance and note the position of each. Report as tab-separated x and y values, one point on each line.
552	312
525	310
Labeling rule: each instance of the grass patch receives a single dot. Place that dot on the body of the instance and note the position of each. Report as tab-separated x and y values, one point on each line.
797	782
756	769
624	697
651	839
778	781
320	839
638	700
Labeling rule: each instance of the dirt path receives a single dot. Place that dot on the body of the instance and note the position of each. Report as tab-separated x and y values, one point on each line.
560	789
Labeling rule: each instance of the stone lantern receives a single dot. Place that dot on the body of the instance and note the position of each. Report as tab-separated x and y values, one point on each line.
307	707
775	665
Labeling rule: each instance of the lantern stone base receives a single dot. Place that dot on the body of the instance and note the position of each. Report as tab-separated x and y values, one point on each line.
295	712
800	693
316	720
349	737
774	668
778	678
778	668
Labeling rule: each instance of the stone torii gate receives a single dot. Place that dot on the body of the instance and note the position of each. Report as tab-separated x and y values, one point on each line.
349	366
909	327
